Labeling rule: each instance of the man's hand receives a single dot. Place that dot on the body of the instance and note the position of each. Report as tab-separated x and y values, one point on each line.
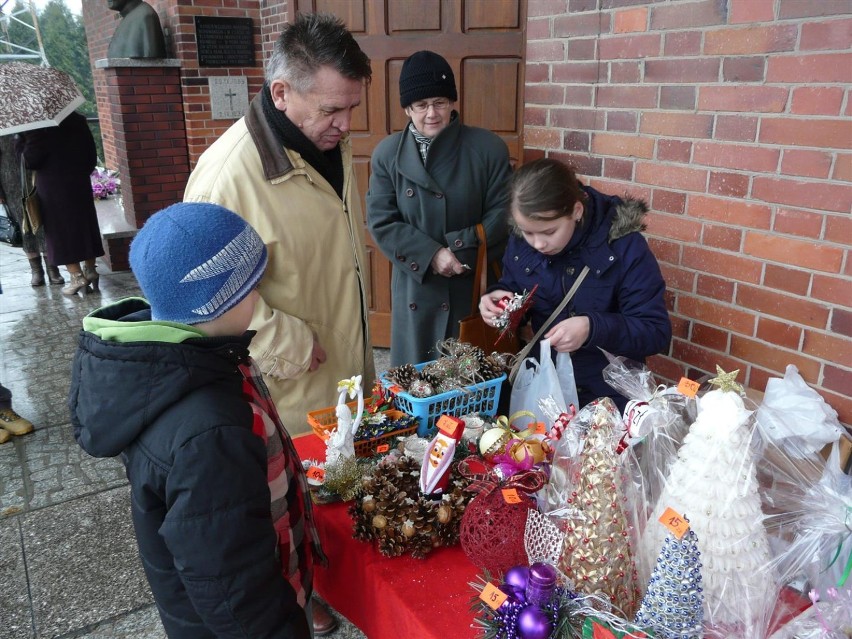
569	335
318	355
445	263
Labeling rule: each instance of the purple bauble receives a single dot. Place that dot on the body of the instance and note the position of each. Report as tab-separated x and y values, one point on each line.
514	593
534	623
518	577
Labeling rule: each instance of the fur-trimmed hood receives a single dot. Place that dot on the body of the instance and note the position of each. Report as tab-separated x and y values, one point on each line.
629	217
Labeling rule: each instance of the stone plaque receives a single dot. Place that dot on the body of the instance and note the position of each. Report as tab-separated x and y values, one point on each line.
228	97
224	42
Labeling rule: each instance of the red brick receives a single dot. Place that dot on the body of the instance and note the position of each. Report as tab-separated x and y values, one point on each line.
545	50
623	145
678	278
841	403
715	288
736	128
841	322
743	41
627	121
797	222
577	118
832	289
535	116
838	228
710	337
736	156
687	14
631	20
836	379
703	359
843	168
770	356
543	94
575	72
543	137
735	267
830	67
618	169
808	8
831	197
664	368
675	177
679	125
744	69
625	72
634	46
794	309
741	11
538	29
536	73
582	164
533	154
627	97
578	6
674	150
828	347
722	237
665	251
728	184
668	201
678	227
734	212
786	279
582	49
682	43
579	95
605	185
546	7
677	97
682	70
816	164
785	250
827	134
590	24
817	100
781	333
742	98
576	141
831	34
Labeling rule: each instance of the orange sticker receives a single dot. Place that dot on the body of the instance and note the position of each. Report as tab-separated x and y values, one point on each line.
493	596
674	522
687	387
316	473
383	448
538	428
511	496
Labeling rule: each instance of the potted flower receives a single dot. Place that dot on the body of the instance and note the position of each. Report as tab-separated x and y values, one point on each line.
104	183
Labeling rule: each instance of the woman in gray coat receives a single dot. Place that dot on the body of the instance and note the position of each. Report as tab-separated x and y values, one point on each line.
430	185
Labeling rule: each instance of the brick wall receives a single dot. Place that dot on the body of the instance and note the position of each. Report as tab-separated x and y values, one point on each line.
732	119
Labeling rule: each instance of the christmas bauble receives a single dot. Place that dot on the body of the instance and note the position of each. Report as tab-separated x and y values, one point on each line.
533	623
492	442
517	577
492	531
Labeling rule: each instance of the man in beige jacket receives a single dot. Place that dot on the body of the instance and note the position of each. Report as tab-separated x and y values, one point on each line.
286	167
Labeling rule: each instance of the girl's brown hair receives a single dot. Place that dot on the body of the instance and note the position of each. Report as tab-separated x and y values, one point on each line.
545	185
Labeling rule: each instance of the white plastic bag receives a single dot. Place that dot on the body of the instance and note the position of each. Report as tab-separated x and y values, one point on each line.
538	379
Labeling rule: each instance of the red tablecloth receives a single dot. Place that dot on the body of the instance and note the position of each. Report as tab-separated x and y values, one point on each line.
389	597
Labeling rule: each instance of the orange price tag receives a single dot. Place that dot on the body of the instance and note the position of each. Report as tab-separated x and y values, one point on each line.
493	596
538	428
511	496
687	387
674	522
316	473
383	448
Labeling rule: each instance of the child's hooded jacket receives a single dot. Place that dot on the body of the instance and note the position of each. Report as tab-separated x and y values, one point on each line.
172	403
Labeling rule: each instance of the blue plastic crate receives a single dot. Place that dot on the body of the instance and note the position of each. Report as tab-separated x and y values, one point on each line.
479	398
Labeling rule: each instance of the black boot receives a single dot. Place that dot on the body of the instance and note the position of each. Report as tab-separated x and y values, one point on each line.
53	274
37	274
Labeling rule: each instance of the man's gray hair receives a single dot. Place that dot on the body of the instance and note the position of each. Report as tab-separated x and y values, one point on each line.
312	41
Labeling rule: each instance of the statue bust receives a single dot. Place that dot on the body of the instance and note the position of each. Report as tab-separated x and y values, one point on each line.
138	34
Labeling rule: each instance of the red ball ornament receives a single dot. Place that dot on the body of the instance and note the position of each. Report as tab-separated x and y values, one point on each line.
492	531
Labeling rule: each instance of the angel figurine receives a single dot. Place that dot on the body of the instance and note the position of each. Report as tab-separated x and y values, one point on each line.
341	441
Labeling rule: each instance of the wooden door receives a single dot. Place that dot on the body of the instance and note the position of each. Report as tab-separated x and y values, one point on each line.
484	42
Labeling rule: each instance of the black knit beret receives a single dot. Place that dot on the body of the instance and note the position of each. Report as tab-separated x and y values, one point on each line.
426	75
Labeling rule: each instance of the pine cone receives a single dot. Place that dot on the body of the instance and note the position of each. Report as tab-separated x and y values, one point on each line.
402	375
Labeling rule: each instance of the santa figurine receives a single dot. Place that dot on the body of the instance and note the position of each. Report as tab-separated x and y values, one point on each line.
435	473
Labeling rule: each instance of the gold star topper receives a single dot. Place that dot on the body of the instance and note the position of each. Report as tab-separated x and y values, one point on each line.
727	382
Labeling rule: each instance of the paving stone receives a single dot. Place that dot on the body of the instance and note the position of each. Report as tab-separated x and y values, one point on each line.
15	610
139	624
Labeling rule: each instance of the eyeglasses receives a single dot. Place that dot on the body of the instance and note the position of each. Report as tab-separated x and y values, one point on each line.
440	104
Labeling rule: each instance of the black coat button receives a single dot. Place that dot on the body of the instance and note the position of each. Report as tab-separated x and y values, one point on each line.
414	266
412	306
445	307
570	270
409	192
439	195
458	243
401	258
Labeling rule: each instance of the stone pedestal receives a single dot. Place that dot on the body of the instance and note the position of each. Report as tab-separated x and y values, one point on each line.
149	148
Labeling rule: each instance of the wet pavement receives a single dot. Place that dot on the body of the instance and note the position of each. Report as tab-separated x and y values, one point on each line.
68	559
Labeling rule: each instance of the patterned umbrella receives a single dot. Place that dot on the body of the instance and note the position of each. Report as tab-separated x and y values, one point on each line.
34	97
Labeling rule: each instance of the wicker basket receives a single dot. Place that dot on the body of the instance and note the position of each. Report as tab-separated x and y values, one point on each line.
324	420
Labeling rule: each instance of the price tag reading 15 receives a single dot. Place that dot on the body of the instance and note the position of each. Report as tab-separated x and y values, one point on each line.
493	596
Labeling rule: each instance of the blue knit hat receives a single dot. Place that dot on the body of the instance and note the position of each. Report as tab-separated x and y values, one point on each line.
194	261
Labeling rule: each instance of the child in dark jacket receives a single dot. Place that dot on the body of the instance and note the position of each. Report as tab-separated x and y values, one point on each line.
560	227
219	499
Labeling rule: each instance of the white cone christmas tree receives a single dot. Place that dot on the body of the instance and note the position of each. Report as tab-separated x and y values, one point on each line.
714	480
673	604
